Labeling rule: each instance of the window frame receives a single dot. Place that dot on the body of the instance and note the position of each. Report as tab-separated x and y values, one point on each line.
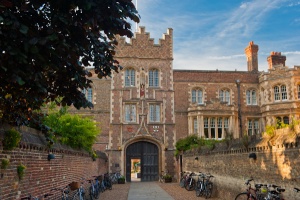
153	78
129	77
154	113
280	93
225	95
251	97
197	96
132	115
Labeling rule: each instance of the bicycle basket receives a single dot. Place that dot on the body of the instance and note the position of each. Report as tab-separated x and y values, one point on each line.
74	185
264	190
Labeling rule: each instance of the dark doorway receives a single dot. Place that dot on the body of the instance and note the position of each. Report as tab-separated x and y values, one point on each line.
148	154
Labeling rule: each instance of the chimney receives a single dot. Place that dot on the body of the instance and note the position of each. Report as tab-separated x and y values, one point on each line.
251	54
276	58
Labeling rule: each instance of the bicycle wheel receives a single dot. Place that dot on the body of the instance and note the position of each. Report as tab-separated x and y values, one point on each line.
208	190
94	193
190	184
182	182
243	196
78	196
199	189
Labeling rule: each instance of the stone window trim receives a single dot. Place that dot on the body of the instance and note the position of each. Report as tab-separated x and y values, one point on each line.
154	112
154	78
251	97
130	113
197	96
89	94
279	93
130	77
253	126
224	95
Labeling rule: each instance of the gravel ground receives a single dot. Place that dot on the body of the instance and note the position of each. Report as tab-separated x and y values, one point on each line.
120	192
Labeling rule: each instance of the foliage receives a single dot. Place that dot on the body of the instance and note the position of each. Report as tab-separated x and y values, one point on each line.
94	155
293	125
121	178
76	131
11	139
193	142
167	176
270	131
21	171
4	163
46	45
245	140
184	144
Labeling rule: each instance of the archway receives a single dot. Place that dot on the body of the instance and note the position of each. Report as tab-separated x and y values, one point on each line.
148	155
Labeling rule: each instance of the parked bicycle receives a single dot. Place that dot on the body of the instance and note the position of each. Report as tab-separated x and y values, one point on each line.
204	185
275	193
114	177
190	182
251	193
94	189
64	192
183	178
80	192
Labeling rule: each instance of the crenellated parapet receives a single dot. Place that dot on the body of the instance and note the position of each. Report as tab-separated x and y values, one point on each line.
142	46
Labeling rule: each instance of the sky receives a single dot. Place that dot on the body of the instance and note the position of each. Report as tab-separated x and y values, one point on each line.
212	34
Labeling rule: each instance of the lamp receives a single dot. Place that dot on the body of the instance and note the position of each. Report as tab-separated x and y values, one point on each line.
51	156
252	155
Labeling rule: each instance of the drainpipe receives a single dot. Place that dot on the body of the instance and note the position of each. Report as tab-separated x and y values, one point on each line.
238	82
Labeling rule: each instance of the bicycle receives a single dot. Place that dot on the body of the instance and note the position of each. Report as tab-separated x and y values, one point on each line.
190	182
184	177
251	193
30	197
115	176
274	194
94	189
208	186
79	194
200	185
162	176
64	192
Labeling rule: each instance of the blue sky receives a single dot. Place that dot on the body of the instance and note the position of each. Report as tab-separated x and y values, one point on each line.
212	34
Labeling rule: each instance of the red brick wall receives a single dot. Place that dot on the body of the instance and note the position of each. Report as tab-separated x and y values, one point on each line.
40	174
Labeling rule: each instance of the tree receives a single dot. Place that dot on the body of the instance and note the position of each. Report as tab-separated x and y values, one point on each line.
73	130
46	45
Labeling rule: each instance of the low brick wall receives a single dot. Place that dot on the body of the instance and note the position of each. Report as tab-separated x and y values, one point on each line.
40	174
277	163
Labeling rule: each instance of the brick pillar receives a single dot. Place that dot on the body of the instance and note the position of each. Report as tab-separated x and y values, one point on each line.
276	58
251	54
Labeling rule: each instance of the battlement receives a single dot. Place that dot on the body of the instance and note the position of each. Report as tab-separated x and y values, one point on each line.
142	46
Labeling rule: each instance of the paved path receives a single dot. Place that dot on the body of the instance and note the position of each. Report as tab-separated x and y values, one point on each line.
147	191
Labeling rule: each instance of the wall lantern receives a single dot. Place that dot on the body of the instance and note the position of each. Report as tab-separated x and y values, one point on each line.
51	156
252	155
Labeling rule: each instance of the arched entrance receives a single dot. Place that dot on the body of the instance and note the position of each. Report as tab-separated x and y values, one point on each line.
147	153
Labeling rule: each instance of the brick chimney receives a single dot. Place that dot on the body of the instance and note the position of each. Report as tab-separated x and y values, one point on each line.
276	58
251	54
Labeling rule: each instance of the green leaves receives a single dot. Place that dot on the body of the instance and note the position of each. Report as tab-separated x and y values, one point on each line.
73	130
42	43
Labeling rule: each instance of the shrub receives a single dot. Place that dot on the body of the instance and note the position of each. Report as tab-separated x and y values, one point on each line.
21	171
4	163
270	131
11	139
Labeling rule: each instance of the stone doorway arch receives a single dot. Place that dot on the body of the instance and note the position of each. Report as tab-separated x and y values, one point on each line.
148	153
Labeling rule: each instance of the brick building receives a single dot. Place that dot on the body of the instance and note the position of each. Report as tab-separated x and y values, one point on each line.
146	107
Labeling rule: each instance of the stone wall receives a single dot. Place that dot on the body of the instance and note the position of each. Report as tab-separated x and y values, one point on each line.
42	175
278	162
